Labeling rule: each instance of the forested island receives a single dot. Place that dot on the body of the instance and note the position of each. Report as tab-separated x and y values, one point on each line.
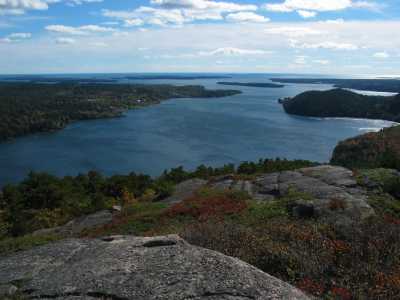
343	103
253	84
175	77
27	108
378	85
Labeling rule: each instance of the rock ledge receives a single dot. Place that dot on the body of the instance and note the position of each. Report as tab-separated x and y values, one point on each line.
127	267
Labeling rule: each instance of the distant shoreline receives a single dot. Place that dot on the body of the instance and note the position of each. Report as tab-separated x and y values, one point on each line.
377	85
253	84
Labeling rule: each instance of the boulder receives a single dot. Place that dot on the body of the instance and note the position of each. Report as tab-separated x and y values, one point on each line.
127	267
80	224
185	190
7	290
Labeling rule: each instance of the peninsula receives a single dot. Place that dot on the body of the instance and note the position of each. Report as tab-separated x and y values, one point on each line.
27	108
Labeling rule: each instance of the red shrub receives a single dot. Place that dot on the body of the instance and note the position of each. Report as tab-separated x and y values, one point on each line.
311	287
392	220
203	208
341	293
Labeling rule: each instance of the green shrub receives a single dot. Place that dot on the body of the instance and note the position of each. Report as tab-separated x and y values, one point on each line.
259	212
385	204
386	179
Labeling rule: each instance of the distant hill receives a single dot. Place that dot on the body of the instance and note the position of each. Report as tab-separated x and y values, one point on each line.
378	85
371	150
343	103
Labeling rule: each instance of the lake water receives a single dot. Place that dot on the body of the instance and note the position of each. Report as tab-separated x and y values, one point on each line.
186	132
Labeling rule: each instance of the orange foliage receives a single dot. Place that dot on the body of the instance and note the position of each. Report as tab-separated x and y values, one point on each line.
337	204
337	246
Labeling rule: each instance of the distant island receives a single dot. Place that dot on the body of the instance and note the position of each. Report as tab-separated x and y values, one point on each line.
38	79
378	85
99	80
175	77
343	103
27	108
253	84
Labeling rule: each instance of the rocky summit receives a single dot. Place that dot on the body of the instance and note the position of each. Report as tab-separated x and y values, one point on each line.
127	267
333	192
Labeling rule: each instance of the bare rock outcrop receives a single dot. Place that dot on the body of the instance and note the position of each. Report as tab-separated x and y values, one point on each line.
80	224
127	267
185	190
335	194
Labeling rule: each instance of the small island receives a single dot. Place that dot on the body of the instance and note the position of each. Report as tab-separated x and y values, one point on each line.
28	107
378	85
343	104
253	84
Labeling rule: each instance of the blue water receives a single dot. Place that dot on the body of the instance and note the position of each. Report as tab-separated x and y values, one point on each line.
186	132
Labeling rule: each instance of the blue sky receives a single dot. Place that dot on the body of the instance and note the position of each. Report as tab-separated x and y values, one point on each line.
352	37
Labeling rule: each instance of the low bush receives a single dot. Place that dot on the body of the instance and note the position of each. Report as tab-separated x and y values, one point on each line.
387	180
362	263
385	205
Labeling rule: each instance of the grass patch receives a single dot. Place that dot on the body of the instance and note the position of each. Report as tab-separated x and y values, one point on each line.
136	219
260	212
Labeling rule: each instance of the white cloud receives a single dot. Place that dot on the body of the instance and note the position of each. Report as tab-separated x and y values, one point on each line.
133	22
19	7
374	6
336	21
230	51
323	45
80	2
300	60
203	5
82	30
293	31
381	55
314	6
65	41
148	15
122	55
321	61
16	37
178	12
246	17
306	14
99	44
